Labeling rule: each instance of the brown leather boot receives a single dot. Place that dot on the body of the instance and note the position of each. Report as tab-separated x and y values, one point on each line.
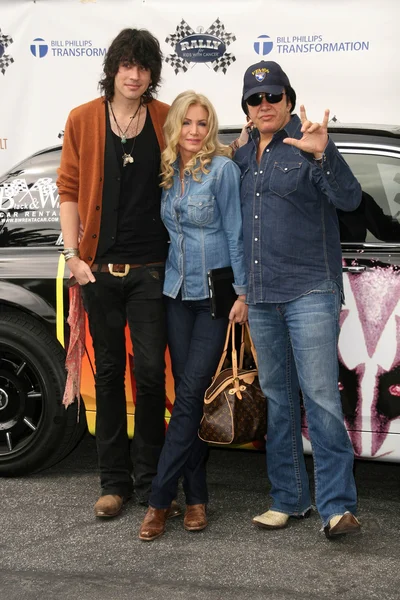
195	517
342	524
153	523
108	506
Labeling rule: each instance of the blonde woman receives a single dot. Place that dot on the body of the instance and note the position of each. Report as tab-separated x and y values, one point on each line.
200	207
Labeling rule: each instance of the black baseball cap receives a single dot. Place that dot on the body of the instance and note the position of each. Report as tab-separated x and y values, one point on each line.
264	76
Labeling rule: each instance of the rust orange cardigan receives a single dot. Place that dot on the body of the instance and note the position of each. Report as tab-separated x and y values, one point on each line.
81	173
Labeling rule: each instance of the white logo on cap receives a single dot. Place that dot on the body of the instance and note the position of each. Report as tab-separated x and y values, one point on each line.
260	76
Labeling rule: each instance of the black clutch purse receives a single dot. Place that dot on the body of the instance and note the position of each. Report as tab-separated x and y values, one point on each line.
222	294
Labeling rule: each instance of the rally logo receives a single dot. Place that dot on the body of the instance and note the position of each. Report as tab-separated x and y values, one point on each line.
202	47
5	59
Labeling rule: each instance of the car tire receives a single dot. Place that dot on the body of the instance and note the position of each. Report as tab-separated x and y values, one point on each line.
36	430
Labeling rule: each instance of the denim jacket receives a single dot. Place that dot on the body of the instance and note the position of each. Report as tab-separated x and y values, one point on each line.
205	229
290	226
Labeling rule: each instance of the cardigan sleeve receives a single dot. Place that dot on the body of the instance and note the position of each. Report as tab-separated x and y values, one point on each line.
68	172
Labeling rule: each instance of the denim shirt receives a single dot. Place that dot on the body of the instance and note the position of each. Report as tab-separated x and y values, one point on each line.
205	228
290	226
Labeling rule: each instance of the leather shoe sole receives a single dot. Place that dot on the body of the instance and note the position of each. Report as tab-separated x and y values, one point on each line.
347	524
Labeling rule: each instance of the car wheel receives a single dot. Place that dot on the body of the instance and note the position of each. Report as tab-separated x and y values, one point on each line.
36	430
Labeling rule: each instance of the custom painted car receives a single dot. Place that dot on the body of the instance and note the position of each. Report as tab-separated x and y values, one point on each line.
36	430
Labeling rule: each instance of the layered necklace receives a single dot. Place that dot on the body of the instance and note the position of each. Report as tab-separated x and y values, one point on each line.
127	157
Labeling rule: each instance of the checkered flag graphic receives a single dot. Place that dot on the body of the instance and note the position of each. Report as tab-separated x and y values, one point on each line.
182	31
218	30
14	188
180	65
222	64
6	59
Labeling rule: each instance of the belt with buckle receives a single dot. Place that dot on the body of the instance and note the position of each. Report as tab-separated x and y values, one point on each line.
120	269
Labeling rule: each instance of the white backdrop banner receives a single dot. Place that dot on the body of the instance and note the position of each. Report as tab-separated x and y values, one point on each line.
338	54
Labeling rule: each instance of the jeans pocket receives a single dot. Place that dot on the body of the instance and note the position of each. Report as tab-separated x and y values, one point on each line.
325	287
285	178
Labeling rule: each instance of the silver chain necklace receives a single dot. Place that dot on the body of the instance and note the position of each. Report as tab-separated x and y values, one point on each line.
123	133
127	157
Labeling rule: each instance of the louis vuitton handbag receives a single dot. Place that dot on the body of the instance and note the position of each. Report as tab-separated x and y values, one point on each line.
235	410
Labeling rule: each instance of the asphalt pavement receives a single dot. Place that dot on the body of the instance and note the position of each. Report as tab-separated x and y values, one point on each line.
52	547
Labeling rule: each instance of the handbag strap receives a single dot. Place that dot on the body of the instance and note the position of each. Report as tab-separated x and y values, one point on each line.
252	347
224	352
230	333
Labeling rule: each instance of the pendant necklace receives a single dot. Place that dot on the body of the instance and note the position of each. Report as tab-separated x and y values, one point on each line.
123	133
128	158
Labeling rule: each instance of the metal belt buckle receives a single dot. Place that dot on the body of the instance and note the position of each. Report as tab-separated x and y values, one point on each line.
118	273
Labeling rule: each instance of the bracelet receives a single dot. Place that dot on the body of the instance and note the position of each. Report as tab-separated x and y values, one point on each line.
70	253
241	300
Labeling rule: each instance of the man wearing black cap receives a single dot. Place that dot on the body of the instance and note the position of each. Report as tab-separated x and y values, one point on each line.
293	179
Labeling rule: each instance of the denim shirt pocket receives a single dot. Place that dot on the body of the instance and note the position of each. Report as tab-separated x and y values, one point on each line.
285	178
201	209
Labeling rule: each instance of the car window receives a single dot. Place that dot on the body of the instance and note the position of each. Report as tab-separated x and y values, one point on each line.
377	219
29	209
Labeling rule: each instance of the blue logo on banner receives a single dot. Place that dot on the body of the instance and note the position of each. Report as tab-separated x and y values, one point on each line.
263	45
39	48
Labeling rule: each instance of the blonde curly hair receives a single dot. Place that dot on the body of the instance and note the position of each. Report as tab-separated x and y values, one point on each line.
172	131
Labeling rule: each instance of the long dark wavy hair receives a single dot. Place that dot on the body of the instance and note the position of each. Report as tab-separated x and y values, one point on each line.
134	46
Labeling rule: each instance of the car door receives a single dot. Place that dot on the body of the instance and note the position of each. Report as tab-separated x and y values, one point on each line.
369	343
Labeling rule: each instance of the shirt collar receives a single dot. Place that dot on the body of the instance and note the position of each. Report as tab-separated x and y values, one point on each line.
292	128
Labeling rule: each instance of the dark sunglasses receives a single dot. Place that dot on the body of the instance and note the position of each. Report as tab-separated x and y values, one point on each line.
256	99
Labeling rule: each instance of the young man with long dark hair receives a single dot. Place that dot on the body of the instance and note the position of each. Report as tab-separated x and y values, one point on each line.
109	184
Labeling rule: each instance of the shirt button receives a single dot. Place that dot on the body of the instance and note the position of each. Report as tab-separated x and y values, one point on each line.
256	216
267	149
97	207
285	169
200	204
260	171
89	258
255	172
257	194
328	172
256	262
256	239
94	236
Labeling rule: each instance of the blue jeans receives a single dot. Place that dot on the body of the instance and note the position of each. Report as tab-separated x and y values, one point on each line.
296	344
195	343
